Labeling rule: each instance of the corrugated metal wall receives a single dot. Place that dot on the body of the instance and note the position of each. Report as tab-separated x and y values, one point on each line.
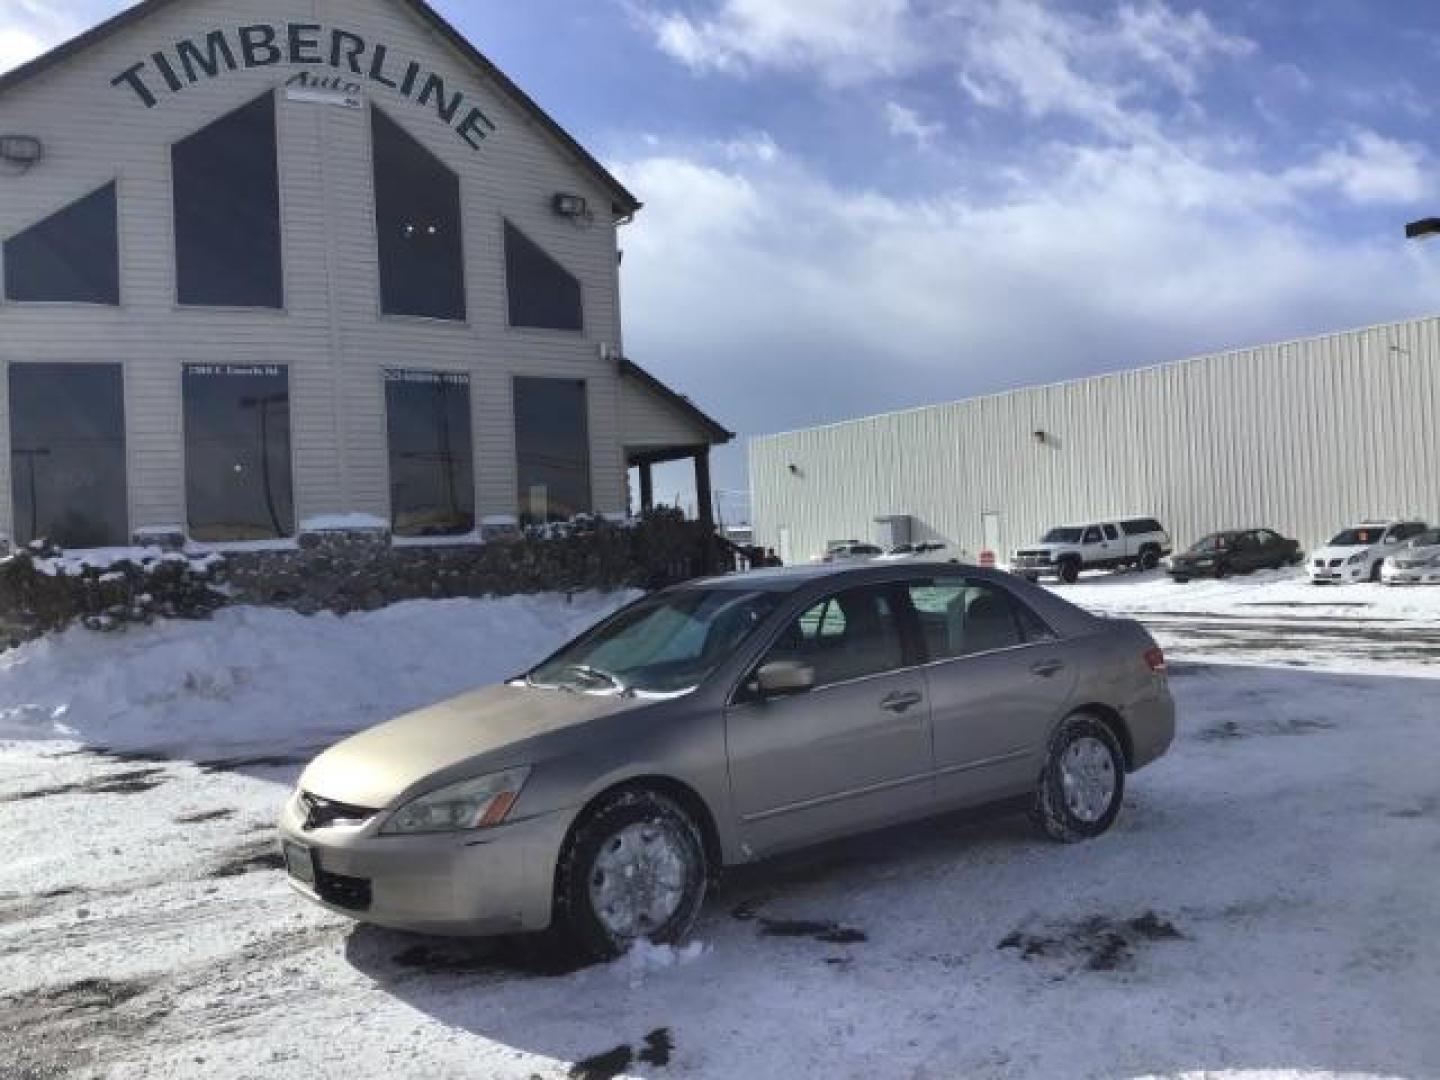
1303	437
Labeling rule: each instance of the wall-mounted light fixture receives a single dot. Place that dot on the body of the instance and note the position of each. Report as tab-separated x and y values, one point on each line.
1042	436
569	206
20	153
794	469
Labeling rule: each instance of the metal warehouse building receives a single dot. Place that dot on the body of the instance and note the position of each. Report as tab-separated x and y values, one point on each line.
267	261
1304	437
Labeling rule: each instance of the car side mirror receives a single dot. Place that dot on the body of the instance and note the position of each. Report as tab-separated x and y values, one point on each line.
784	678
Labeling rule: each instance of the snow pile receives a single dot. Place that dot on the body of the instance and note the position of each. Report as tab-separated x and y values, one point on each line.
645	957
259	680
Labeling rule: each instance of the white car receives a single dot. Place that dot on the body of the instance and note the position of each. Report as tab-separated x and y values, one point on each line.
1416	563
1358	553
926	551
846	551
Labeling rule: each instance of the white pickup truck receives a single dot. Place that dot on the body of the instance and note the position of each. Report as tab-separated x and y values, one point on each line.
1102	545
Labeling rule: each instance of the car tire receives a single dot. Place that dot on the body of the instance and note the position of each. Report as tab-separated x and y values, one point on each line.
1377	571
663	839
1149	559
1083	764
1221	571
1181	580
1069	571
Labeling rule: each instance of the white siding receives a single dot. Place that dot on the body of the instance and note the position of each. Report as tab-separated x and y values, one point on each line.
1304	437
330	334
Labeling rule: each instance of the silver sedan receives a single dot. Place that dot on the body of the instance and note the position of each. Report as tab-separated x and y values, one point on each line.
718	723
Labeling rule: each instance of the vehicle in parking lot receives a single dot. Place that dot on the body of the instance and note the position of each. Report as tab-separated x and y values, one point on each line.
1417	562
1104	545
717	723
1237	551
1358	553
930	550
846	550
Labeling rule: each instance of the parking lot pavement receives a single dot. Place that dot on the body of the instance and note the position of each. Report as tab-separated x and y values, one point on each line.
1277	619
1267	902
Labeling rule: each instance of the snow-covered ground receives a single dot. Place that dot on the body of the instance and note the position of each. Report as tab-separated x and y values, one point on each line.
1277	618
1266	906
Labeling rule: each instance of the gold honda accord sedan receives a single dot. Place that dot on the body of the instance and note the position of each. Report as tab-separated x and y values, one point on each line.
721	722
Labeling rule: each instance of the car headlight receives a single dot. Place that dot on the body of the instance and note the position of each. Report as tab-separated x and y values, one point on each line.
471	804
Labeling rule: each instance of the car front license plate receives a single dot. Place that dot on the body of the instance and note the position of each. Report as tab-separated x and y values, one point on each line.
299	861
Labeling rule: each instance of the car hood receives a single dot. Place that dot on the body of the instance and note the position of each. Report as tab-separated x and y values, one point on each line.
1332	552
1418	554
377	766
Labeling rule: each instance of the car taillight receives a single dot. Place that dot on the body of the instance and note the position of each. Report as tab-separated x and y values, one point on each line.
1155	659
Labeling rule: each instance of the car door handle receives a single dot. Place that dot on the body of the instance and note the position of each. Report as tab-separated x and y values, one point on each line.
1046	668
901	701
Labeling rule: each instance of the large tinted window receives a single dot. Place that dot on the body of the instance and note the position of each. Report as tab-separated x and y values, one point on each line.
237	452
432	475
67	454
417	221
543	294
72	256
552	441
848	636
227	211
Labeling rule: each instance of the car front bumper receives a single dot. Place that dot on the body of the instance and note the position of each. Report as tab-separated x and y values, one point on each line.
1339	575
1419	575
479	883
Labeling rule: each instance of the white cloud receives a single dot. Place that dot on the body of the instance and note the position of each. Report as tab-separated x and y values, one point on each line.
1020	53
845	40
906	123
1370	169
17	46
31	27
839	302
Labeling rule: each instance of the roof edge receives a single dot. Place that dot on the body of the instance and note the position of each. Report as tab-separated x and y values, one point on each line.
625	204
719	434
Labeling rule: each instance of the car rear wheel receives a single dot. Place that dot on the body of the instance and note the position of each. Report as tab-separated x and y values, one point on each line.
1149	559
633	868
1083	782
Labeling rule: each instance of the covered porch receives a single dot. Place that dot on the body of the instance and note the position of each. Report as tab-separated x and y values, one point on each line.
662	426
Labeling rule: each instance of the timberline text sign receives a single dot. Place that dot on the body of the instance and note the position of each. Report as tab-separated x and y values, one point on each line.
211	54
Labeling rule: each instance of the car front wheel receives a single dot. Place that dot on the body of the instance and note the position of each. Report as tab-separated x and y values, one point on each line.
1083	782
1069	571
633	868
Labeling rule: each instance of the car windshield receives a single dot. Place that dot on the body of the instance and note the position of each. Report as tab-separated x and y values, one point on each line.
667	644
1362	537
1215	542
1062	536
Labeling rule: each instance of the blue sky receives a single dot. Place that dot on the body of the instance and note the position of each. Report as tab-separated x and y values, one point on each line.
860	205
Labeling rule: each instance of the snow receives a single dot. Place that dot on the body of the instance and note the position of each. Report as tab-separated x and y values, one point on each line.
344	523
261	680
74	563
1264	909
1277	618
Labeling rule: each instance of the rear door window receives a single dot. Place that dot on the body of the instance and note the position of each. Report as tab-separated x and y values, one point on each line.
1112	533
